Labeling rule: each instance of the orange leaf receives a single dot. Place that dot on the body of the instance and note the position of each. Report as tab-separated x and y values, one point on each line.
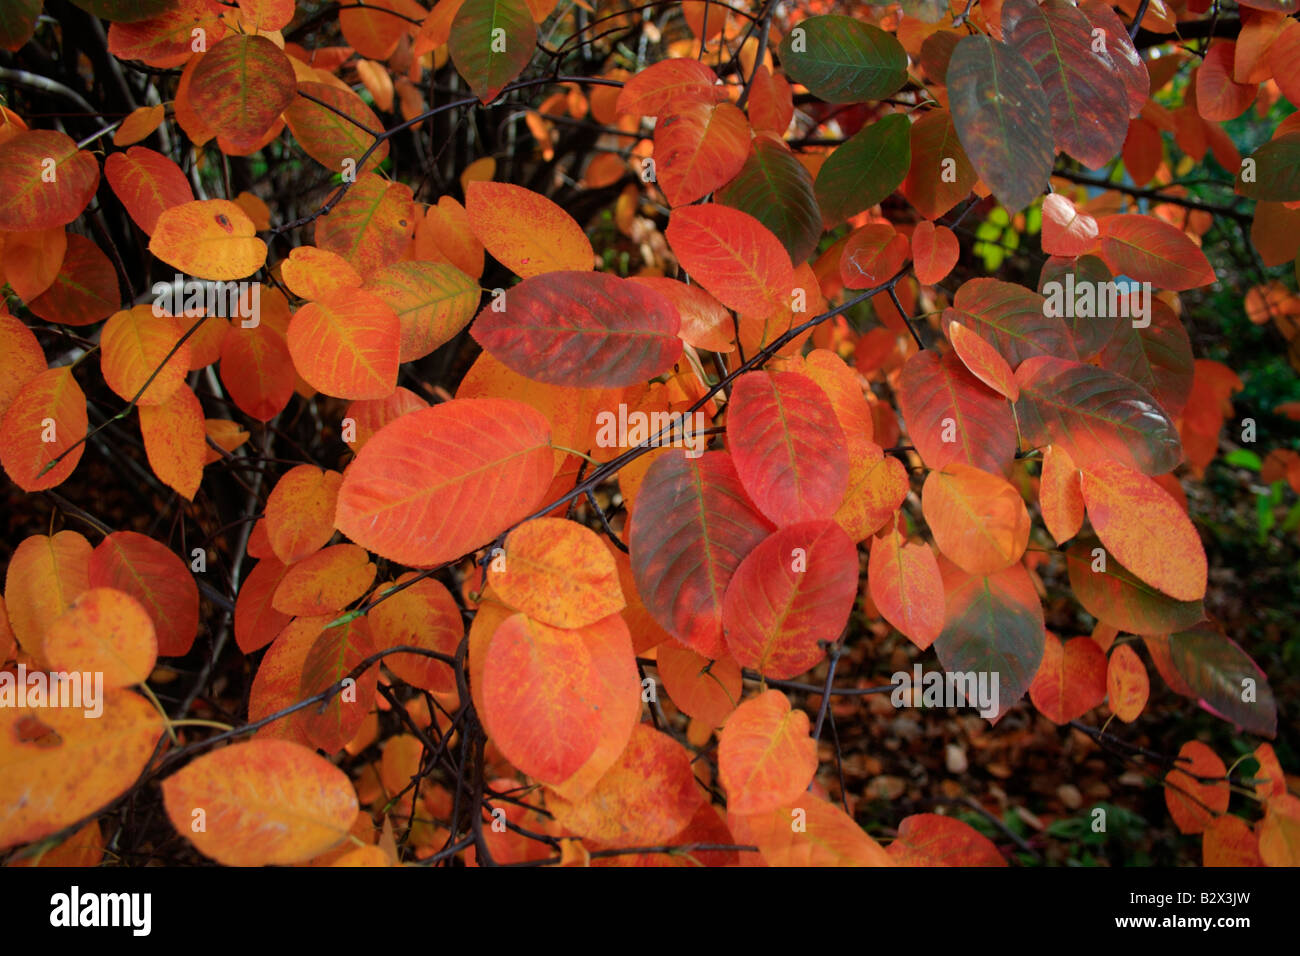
21	358
766	755
424	614
978	520
928	839
263	802
257	622
135	343
1279	831
557	572
157	578
1143	526
788	446
45	575
704	689
442	481
525	231
536	677
208	238
334	654
42	422
46	180
700	146
300	511
312	273
347	344
653	90
1071	679
1059	495
105	631
905	584
1066	230
808	832
147	183
878	484
645	797
792	591
56	766
326	581
1127	684
1229	841
32	260
737	259
175	441
983	361
1196	791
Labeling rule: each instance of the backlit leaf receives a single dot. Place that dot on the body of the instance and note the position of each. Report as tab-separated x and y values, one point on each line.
42	423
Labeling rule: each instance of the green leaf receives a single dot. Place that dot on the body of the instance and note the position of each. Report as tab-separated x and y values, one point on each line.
994	625
491	43
1276	174
776	189
1221	674
843	60
864	170
1243	458
18	22
1002	119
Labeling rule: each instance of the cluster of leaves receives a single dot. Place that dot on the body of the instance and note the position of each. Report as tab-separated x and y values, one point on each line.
476	588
